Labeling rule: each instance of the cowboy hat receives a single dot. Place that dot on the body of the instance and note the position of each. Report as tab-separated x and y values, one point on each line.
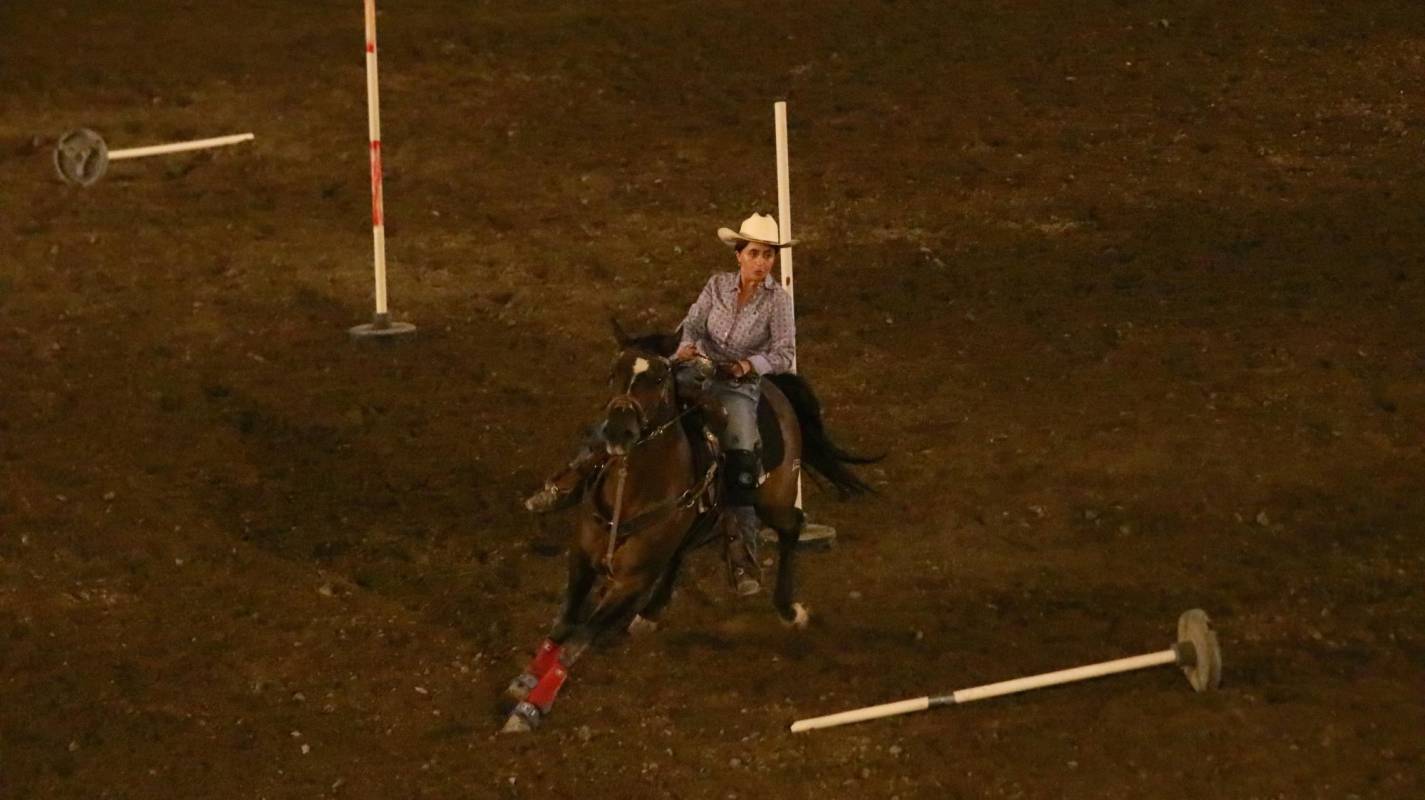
759	228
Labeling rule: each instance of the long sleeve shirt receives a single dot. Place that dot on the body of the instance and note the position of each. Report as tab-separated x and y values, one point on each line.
763	332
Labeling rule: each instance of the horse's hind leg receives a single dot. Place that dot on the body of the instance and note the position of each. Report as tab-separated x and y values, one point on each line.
646	620
620	601
788	522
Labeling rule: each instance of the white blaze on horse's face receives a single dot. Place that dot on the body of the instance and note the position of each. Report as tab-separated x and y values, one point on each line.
640	366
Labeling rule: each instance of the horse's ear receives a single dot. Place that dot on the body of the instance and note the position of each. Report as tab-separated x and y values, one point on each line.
620	335
666	344
670	342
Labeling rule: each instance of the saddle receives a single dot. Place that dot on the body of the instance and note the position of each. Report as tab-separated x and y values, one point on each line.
707	449
707	453
702	418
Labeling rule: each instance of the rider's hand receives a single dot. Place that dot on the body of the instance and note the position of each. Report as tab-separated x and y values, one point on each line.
741	368
686	352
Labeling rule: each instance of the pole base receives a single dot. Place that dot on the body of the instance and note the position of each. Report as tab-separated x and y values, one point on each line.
1205	671
381	327
81	157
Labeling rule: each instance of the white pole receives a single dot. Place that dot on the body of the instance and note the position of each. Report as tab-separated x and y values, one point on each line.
784	202
179	147
861	714
1169	656
784	222
373	113
1072	675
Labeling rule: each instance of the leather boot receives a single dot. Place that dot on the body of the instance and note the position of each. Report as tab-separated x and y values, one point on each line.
567	486
741	538
742	474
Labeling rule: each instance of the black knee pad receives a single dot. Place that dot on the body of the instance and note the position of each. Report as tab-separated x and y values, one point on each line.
743	474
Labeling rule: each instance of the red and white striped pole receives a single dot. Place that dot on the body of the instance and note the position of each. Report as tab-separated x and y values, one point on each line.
381	324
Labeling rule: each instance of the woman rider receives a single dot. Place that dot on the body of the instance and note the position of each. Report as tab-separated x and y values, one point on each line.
743	322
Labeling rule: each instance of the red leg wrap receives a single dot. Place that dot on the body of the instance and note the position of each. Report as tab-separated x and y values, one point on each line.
545	657
542	696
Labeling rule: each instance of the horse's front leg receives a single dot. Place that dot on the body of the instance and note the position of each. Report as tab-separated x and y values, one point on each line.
551	651
619	597
582	574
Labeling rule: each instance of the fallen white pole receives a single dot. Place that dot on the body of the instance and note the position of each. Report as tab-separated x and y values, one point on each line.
987	691
1071	675
1196	652
179	147
381	325
82	157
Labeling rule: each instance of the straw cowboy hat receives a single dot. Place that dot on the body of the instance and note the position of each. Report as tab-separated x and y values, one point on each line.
759	228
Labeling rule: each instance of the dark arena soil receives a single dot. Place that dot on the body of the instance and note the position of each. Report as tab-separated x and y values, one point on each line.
1130	292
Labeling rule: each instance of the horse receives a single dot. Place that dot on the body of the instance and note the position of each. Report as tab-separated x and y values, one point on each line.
652	502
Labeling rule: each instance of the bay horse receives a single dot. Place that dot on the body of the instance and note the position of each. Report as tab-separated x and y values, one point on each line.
650	504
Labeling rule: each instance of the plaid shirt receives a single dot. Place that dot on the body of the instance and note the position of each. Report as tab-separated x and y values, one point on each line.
763	332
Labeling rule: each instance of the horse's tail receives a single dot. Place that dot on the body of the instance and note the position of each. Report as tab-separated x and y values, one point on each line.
819	453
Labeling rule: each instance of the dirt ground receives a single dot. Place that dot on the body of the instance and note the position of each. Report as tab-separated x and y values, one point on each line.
1131	292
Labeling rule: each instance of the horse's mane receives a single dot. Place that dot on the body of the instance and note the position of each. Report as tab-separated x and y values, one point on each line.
656	344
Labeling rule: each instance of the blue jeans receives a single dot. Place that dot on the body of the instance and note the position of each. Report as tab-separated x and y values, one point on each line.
740	401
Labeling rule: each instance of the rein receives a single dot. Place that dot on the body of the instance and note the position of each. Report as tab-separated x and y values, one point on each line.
684	500
618	510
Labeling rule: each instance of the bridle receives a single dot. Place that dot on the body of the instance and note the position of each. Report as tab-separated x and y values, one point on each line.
627	401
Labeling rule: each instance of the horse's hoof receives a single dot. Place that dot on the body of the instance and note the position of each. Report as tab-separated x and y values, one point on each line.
642	625
520	687
523	719
548	499
801	617
516	725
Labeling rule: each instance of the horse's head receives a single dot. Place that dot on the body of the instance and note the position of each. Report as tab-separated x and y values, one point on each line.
643	396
